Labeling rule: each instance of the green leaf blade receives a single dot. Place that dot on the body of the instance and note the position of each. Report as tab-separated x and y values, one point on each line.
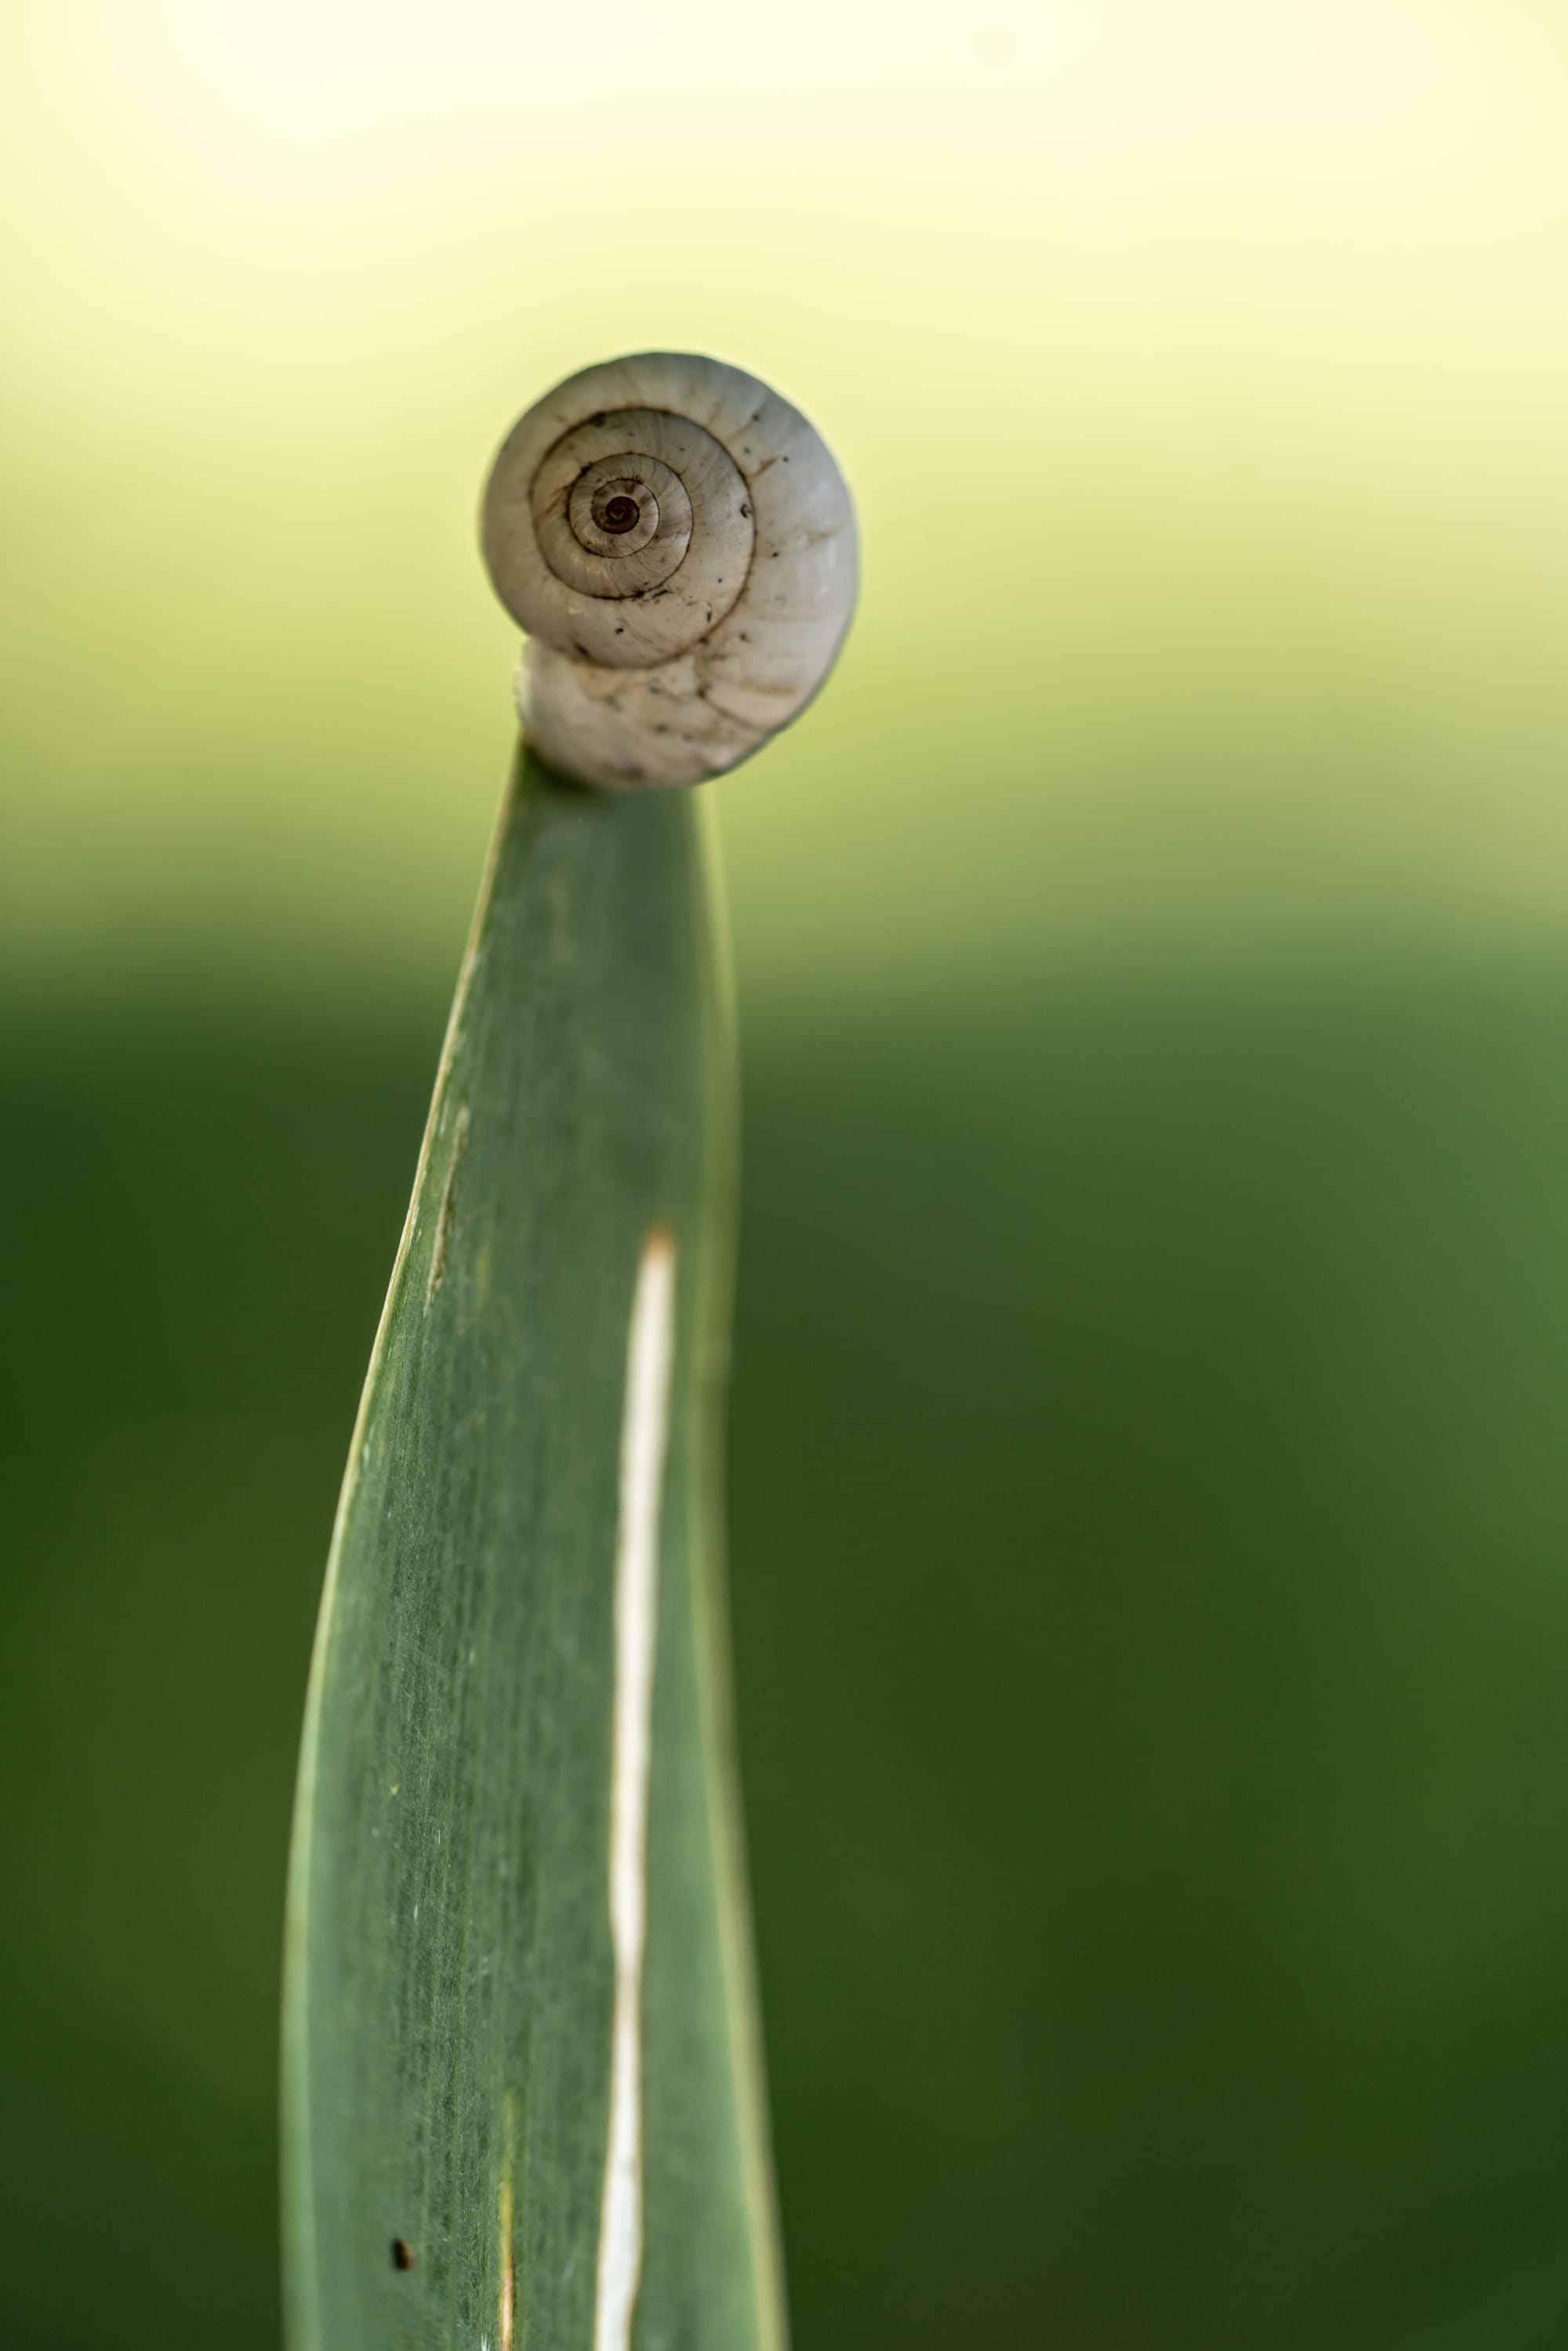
453	1971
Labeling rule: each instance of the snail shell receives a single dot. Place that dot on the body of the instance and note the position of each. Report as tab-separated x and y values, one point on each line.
680	547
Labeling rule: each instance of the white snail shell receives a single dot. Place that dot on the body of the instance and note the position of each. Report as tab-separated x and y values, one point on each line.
679	545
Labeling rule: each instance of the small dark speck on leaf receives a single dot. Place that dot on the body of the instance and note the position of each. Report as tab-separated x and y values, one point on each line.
745	510
620	633
402	2253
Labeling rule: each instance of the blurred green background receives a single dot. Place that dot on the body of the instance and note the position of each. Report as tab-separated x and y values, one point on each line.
1149	1488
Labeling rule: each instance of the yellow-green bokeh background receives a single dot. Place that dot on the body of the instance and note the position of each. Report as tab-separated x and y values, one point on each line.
1154	1342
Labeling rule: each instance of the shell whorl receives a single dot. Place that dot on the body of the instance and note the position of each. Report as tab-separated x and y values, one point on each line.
679	545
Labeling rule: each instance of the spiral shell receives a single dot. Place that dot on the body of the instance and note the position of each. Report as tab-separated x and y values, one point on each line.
680	547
